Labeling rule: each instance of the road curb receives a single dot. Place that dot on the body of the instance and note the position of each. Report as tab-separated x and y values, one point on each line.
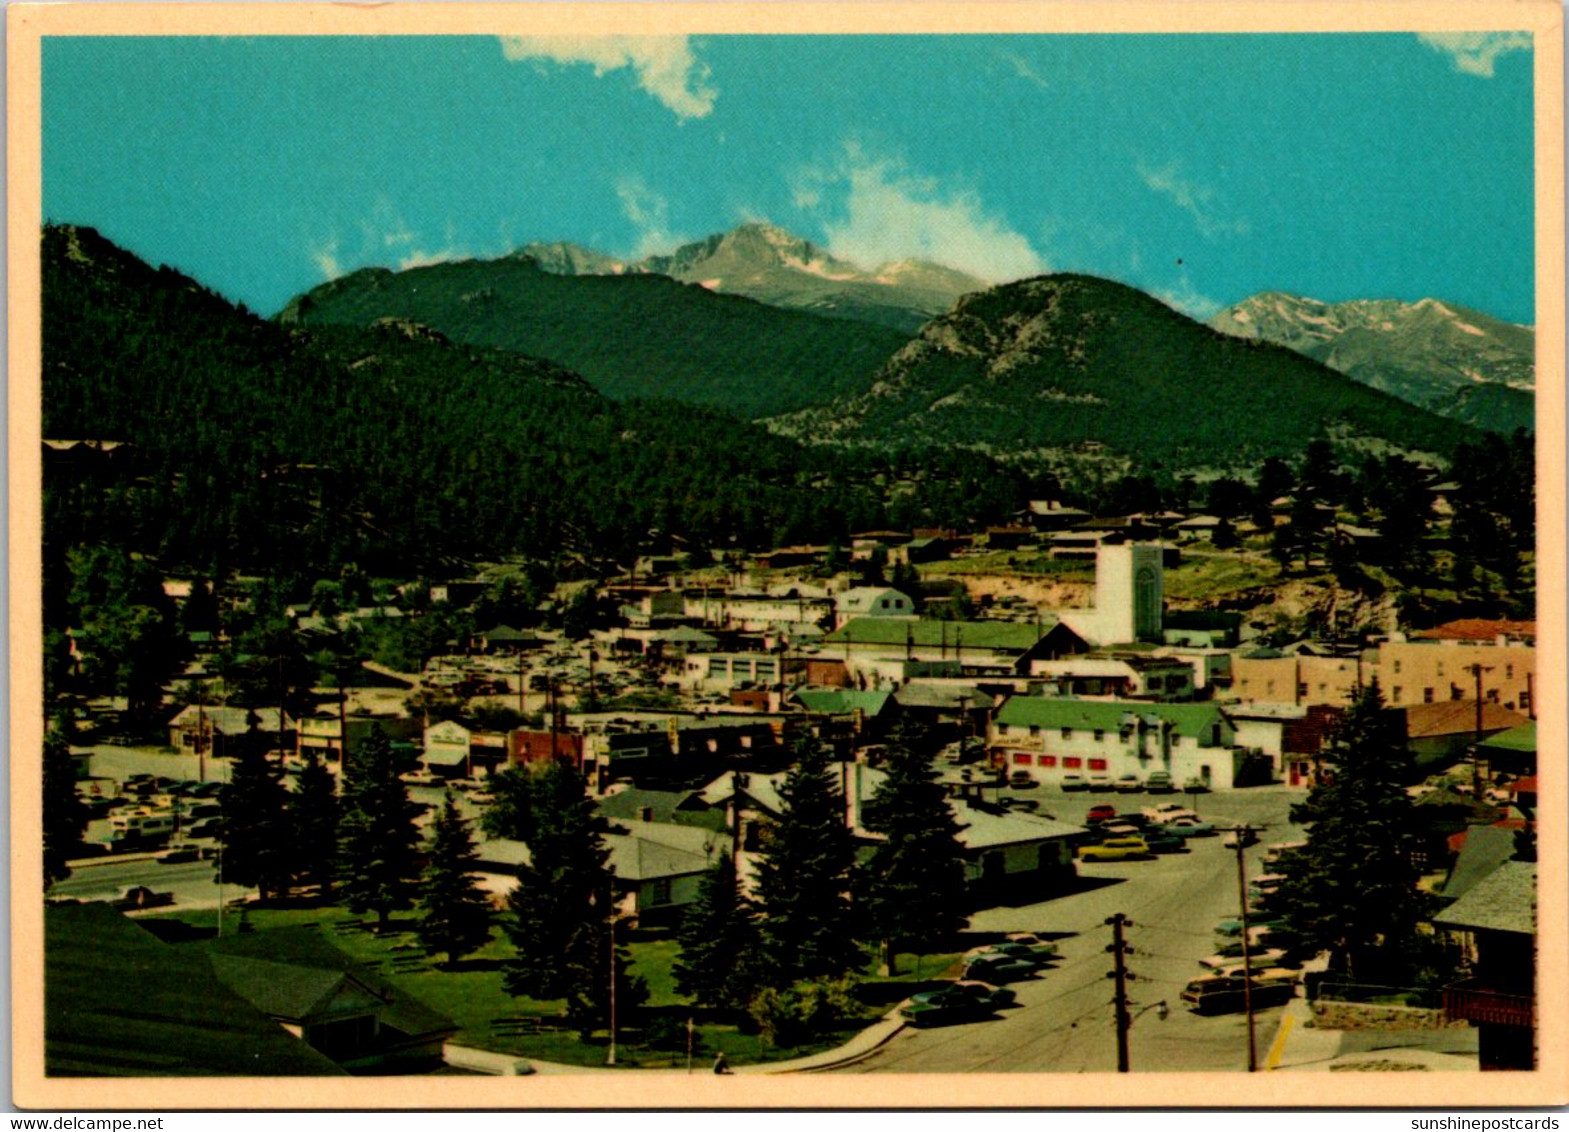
848	1054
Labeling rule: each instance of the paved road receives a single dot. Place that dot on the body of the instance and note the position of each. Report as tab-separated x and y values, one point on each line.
192	883
1064	1021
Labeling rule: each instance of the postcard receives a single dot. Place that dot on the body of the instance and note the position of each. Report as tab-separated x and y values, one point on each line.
787	555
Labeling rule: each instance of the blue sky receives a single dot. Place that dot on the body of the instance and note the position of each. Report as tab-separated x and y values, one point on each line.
1202	168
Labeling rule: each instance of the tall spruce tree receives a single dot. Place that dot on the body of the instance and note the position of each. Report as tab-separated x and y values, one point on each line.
560	915
378	842
313	814
255	828
65	818
1353	889
718	965
913	890
803	878
455	913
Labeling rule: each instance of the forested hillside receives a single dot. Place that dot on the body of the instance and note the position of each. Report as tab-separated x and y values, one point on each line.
1065	360
262	447
630	335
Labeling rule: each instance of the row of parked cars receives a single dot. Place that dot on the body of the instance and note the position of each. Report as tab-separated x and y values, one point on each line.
1269	973
1156	782
1158	829
975	995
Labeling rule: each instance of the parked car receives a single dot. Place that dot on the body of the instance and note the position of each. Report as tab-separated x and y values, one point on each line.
1072	782
1195	786
992	968
1159	841
1100	783
1128	784
1000	998
1115	849
1120	828
1189	827
1022	780
1032	950
180	855
1100	813
1243	836
1231	965
1029	804
1232	928
1159	782
943	1007
1215	994
1031	938
1166	811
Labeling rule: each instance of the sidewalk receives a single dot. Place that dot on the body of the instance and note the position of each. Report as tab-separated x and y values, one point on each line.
1300	1045
507	1065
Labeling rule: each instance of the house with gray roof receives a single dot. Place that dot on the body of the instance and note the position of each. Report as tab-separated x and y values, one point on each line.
1497	920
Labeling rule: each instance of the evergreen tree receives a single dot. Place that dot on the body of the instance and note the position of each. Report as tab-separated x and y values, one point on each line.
378	843
454	910
1353	889
65	818
718	935
559	917
803	878
255	827
313	813
913	890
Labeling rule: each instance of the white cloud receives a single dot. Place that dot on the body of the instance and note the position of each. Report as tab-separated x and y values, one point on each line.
1183	296
325	256
1197	200
665	65
1022	68
884	212
1474	52
650	212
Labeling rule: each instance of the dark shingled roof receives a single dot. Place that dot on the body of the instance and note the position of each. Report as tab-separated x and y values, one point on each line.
120	1003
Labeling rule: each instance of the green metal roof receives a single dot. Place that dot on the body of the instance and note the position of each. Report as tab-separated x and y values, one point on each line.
838	701
1058	712
1522	738
1002	636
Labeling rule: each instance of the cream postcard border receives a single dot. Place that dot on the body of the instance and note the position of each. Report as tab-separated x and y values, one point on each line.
27	24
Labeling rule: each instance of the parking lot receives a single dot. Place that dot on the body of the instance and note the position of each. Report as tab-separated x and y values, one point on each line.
1064	1020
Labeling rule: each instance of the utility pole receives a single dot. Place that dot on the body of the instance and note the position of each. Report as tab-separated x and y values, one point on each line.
1120	973
610	1059
1242	834
1476	670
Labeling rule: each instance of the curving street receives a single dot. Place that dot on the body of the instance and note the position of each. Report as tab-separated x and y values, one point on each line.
1063	1022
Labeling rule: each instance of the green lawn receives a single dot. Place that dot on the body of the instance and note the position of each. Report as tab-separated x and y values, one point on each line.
1220	574
487	1016
1020	563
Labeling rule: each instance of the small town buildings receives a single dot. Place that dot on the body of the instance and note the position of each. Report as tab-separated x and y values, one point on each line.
872	601
1053	515
789	612
227	731
1201	628
322	734
1438	734
119	1002
1128	677
1015	856
1047	737
1497	920
721	671
1510	752
1001	645
1265	676
1129	597
318	993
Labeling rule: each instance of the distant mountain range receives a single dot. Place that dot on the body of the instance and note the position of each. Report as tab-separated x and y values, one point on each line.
770	265
1458	362
1068	361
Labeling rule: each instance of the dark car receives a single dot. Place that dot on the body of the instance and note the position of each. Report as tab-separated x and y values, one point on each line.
1158	842
995	968
962	1002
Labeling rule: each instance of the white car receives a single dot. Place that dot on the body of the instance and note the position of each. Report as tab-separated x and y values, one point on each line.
1231	965
1166	811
